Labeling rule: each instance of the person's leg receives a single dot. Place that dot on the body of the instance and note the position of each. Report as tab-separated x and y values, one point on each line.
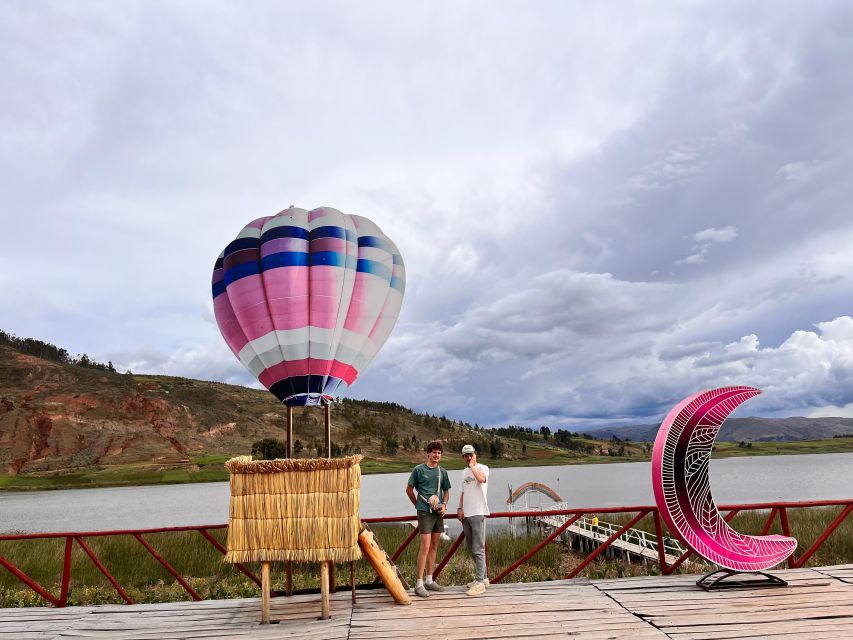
423	554
466	529
433	550
478	546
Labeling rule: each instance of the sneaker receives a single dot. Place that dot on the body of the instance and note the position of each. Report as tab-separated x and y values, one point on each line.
478	589
433	586
421	591
473	582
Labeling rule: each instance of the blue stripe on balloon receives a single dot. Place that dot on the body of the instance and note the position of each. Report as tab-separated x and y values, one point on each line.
241	271
397	283
328	232
218	288
239	244
328	259
374	268
398	259
374	241
284	232
284	259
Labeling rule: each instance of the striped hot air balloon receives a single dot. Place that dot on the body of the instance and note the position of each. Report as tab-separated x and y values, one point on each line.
305	300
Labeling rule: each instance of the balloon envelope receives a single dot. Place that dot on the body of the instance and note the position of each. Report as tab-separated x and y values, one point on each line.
305	300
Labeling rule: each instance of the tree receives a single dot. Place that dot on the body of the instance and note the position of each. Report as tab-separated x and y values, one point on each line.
545	431
297	447
269	449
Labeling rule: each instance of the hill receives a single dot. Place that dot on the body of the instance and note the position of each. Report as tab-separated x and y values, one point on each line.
748	430
61	417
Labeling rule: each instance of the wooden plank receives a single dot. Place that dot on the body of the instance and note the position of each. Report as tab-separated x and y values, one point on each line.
815	605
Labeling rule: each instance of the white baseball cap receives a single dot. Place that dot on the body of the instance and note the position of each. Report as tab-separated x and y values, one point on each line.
468	448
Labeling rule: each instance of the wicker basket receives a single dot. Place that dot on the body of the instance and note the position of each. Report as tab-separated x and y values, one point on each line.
300	510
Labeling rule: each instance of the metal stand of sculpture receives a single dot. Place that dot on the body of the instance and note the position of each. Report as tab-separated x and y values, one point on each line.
682	490
305	300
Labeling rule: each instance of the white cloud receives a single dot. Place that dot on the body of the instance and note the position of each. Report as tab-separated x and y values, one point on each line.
530	166
710	236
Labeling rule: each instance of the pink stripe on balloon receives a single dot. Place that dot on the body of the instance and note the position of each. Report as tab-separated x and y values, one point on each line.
279	245
246	292
338	245
327	281
326	284
307	366
228	324
290	319
287	282
343	371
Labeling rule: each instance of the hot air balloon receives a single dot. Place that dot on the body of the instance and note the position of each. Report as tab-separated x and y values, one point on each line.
305	300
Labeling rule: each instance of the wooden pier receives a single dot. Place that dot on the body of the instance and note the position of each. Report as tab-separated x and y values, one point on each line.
818	603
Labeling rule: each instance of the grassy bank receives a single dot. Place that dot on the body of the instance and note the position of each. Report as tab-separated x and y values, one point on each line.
210	468
146	581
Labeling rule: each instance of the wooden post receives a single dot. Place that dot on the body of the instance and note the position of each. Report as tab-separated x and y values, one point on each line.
324	591
328	421
265	593
288	589
289	432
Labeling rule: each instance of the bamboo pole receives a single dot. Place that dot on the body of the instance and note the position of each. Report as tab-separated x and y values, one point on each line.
328	424
330	568
288	590
265	593
324	591
289	432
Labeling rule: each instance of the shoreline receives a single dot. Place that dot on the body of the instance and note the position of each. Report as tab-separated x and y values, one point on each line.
214	471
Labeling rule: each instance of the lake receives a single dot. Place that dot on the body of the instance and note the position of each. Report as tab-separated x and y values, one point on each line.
734	480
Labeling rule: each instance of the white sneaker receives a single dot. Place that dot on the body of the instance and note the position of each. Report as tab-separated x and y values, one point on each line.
477	589
473	582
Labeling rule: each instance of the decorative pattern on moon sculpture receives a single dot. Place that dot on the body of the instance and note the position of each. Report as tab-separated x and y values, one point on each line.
305	300
683	490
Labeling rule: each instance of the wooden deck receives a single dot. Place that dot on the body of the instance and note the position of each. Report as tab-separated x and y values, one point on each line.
818	603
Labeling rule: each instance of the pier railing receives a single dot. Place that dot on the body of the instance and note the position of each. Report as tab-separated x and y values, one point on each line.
567	517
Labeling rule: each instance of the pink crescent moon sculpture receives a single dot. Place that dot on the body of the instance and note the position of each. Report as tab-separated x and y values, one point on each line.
683	489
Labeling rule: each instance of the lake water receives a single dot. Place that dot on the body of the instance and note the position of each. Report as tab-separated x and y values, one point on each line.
735	480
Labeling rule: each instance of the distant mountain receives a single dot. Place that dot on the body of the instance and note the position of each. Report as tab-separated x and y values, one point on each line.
747	429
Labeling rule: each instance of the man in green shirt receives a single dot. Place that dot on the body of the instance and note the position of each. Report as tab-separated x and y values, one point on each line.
432	485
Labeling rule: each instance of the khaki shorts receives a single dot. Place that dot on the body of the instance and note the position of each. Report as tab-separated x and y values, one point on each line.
430	522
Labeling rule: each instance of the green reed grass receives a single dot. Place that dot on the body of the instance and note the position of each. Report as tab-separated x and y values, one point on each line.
145	580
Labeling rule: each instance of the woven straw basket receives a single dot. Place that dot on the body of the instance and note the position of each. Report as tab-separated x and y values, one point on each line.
300	510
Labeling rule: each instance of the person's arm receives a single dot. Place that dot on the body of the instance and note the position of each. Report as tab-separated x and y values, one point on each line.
460	512
478	475
410	491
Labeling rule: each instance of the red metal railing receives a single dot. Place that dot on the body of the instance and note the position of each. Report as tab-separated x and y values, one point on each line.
776	509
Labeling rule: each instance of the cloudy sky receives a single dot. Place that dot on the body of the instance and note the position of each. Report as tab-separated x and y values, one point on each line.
603	207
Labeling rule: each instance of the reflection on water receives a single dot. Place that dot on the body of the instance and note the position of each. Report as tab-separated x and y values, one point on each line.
735	480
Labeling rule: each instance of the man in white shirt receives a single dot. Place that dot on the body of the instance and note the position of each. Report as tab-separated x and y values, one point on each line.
472	512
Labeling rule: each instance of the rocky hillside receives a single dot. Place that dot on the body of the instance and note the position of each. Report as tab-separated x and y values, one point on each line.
59	417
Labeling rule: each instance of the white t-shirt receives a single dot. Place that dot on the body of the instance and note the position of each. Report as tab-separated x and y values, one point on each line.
475	493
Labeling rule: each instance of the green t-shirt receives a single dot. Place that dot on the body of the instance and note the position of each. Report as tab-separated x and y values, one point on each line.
425	482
